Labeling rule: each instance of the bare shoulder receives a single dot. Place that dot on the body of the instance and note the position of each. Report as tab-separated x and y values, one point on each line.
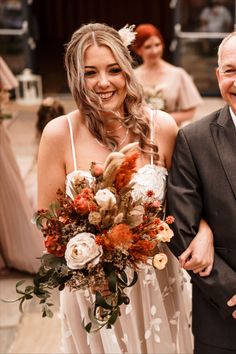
165	124
165	136
55	129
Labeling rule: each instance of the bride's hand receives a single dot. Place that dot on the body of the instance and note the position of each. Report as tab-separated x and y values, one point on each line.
199	256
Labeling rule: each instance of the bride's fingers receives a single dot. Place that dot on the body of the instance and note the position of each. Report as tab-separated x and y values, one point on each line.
203	270
193	263
183	258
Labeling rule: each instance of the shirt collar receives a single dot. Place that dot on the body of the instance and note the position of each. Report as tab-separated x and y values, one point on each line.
233	116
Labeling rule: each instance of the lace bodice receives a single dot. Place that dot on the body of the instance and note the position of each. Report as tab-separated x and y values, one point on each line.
148	177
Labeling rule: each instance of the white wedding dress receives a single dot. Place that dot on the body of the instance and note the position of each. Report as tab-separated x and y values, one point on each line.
157	319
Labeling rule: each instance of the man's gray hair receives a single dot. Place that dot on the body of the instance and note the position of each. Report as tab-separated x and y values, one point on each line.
222	44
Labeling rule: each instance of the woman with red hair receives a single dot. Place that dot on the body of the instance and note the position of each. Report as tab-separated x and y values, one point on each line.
165	86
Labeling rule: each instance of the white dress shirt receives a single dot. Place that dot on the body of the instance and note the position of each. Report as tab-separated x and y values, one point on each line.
233	115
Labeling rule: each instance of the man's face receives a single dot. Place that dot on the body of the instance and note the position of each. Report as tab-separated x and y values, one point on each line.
226	73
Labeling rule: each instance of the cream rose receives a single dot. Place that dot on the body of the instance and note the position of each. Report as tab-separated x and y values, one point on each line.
81	250
105	198
164	232
159	261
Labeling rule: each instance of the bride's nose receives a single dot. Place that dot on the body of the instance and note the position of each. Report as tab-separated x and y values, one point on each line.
103	80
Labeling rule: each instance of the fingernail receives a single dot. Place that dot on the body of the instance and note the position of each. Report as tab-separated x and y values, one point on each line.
230	303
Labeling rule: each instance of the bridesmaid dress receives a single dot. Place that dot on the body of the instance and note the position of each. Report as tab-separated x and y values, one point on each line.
20	241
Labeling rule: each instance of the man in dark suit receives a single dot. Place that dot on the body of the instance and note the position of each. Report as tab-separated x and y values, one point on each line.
202	184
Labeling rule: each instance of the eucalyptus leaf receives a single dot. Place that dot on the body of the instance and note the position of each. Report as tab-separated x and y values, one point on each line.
124	277
29	289
21	304
112	282
135	278
119	298
113	317
54	207
49	313
88	327
19	283
125	283
108	268
100	301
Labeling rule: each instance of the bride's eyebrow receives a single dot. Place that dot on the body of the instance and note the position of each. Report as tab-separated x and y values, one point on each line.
94	67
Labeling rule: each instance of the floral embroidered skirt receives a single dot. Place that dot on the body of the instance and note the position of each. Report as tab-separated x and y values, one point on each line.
157	319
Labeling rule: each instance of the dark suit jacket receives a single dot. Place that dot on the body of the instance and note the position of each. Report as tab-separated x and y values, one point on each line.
202	184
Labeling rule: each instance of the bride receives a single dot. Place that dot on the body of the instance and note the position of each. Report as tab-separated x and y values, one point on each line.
111	114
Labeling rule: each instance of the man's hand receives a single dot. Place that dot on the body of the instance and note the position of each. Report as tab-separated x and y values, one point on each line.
232	302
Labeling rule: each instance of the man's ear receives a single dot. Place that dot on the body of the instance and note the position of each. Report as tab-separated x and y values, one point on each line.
217	73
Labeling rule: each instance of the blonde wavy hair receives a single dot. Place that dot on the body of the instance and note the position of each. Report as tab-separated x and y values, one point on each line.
89	103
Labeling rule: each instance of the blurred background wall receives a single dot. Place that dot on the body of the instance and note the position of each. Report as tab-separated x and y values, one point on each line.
33	33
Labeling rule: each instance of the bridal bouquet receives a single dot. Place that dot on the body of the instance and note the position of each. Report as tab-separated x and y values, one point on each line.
97	236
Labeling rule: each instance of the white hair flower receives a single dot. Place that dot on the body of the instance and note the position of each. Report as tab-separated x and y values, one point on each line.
127	34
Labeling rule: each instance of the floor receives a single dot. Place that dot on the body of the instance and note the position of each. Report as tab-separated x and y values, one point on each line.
28	332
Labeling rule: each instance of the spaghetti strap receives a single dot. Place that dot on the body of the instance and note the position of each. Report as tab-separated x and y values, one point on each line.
72	143
152	134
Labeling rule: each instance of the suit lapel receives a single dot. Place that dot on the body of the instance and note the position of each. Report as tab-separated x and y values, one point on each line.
224	136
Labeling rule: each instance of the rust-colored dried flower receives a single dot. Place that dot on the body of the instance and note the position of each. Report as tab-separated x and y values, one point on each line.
119	236
125	171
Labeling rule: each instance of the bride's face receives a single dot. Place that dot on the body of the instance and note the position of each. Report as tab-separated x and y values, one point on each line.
151	50
104	76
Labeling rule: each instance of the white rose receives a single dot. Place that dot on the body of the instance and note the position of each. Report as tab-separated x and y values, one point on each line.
81	250
105	198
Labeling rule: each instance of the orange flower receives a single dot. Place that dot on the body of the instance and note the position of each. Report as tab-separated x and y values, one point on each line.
140	250
156	204
96	169
126	171
53	245
150	193
152	233
87	193
170	219
83	202
119	236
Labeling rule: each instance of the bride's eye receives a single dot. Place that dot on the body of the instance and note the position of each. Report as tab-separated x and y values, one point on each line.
115	70
89	73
